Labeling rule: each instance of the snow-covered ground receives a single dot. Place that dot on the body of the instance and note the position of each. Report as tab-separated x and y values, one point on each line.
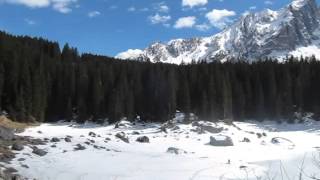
245	160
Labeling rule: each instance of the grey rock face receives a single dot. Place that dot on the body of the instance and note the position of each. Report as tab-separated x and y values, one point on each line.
6	133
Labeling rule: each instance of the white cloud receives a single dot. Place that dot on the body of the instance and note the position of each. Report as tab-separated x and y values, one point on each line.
220	18
144	9
202	9
164	8
62	6
94	14
113	7
31	3
166	25
203	27
159	19
253	7
217	14
185	22
161	7
30	21
131	9
193	3
268	2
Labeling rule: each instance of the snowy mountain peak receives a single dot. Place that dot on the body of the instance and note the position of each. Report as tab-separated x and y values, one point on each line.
292	30
297	4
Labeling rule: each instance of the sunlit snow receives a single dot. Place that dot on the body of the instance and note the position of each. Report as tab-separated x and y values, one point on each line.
245	160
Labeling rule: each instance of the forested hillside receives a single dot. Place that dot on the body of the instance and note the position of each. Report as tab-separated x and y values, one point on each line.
40	82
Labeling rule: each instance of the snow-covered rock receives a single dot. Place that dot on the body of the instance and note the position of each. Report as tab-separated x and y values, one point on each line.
221	141
123	137
282	142
177	151
292	30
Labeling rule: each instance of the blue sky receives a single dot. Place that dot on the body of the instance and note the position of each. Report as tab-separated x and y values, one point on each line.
108	27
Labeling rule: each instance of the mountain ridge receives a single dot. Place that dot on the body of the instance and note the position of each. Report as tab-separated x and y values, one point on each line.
292	30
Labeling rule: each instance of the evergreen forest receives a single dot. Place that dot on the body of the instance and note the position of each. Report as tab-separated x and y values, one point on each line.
41	82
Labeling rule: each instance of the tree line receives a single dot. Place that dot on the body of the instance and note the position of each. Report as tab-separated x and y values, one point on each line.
41	82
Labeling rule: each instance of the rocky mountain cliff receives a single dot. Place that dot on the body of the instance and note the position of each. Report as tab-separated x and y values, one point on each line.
292	30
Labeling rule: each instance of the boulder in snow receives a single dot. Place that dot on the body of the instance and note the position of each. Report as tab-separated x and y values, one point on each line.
17	147
245	139
123	137
211	129
202	128
198	130
21	159
122	124
143	139
174	150
9	174
169	125
196	123
79	147
55	139
92	134
282	141
259	135
67	139
39	152
87	143
6	133
221	141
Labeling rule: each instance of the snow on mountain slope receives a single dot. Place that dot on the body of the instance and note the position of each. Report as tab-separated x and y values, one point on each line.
288	31
107	157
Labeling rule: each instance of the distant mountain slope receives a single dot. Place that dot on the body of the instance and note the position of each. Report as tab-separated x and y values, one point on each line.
292	30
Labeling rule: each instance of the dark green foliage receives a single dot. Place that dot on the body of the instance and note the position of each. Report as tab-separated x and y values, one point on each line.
38	82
